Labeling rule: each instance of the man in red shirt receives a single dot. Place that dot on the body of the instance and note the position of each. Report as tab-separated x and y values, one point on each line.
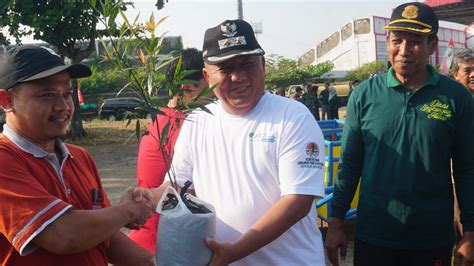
154	161
298	93
53	208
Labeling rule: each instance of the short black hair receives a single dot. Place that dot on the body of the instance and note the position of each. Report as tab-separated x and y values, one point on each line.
191	60
462	56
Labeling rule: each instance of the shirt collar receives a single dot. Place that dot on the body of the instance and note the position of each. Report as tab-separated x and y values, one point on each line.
30	147
433	78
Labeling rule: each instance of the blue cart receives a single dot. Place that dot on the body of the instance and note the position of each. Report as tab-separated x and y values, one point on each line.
332	131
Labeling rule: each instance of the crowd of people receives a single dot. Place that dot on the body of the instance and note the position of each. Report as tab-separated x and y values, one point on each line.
258	159
327	100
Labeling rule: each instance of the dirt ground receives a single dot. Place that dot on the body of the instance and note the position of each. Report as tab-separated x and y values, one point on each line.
116	162
117	167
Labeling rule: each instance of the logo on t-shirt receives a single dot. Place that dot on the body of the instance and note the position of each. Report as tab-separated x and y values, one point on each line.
312	150
261	137
312	160
437	110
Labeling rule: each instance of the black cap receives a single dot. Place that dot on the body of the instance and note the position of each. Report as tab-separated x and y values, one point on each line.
29	62
229	39
414	17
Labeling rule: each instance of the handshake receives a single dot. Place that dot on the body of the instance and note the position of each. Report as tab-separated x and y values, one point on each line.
138	204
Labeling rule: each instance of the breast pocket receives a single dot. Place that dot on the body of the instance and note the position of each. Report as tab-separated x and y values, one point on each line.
436	119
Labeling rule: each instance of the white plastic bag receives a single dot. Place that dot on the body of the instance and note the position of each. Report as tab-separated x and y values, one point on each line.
181	233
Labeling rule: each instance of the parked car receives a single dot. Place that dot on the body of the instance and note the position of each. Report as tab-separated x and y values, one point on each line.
115	108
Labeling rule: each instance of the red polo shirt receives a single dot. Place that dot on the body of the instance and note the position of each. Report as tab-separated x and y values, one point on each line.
33	195
152	166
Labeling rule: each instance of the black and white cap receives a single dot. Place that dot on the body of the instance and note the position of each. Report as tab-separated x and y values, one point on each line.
229	39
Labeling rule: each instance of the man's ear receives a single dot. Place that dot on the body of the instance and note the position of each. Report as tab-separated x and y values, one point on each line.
5	100
455	75
205	75
433	44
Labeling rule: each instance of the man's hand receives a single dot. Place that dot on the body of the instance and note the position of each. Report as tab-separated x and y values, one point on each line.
222	253
138	201
145	194
464	254
336	241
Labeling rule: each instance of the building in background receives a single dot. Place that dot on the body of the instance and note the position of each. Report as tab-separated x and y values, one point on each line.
363	40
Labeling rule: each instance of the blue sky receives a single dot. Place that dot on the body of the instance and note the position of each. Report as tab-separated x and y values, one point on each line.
290	28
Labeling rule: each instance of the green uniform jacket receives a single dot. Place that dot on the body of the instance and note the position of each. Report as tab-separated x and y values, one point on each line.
401	144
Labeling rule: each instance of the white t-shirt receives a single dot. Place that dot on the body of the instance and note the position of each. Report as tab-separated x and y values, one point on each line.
242	165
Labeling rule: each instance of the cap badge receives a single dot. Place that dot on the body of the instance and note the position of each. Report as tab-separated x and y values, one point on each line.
229	29
410	12
230	42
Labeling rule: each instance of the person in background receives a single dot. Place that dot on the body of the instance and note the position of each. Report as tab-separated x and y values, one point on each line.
463	68
402	131
54	210
310	99
334	103
298	94
463	71
281	92
154	161
325	101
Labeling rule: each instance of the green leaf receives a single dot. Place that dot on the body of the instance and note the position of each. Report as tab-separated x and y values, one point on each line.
137	129
164	133
205	92
150	83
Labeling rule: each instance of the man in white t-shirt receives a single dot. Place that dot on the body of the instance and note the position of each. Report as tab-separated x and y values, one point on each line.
258	159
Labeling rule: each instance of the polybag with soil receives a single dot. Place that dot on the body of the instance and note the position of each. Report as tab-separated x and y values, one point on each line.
185	222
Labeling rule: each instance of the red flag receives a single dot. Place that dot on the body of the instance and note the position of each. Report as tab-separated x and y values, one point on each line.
447	59
79	95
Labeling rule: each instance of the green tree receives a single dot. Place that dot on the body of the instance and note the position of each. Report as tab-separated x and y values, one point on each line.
365	71
282	72
135	52
314	71
160	3
275	63
70	26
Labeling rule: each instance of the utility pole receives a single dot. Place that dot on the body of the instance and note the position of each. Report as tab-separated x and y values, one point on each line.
240	9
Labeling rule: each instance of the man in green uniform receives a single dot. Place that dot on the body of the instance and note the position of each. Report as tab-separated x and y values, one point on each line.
401	131
310	99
